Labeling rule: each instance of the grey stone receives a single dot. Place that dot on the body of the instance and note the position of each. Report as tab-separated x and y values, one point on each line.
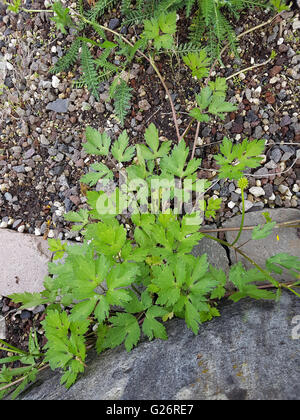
286	120
19	169
271	165
268	189
286	156
8	196
262	249
258	132
262	172
250	353
114	23
248	205
59	105
216	253
282	94
29	153
276	155
274	128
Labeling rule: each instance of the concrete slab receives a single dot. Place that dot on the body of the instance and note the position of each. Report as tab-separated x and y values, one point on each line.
23	262
260	250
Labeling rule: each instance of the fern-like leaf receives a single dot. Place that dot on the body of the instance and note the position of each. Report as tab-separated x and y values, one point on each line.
122	96
69	59
99	9
188	6
90	75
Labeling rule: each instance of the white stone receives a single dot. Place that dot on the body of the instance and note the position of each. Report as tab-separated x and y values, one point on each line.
272	197
2	328
51	234
257	191
231	204
283	189
37	231
55	82
274	80
9	66
296	24
257	91
296	188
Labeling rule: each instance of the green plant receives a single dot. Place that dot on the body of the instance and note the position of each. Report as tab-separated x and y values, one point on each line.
129	281
279	5
26	374
14	6
134	269
61	17
159	20
161	30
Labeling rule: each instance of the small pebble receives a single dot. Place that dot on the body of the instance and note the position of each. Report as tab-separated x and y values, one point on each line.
257	191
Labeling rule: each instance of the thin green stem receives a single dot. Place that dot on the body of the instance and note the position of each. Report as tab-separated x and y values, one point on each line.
227	244
290	289
13	348
243	218
42	367
135	289
36	10
11	351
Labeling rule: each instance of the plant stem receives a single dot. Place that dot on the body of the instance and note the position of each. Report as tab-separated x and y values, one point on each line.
169	97
249	68
149	59
36	10
292	223
135	289
227	244
187	129
242	220
21	379
290	289
195	139
11	351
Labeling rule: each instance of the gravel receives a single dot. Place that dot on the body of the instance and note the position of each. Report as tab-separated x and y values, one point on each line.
59	105
44	116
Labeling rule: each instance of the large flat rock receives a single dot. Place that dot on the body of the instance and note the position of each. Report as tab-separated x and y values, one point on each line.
23	262
250	352
216	253
261	249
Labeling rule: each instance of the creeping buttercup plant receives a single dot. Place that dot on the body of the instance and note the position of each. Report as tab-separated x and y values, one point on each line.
135	270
